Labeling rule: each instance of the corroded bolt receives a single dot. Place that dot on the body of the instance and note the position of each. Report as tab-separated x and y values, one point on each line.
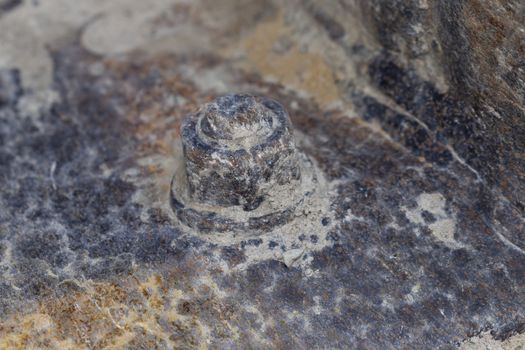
236	149
242	170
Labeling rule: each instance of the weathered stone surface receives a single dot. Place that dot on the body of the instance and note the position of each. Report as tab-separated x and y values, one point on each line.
412	110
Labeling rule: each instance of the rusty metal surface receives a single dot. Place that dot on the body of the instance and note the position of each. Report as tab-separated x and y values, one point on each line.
418	241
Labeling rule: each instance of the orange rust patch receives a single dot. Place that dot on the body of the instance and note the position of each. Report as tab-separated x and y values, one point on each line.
135	313
304	71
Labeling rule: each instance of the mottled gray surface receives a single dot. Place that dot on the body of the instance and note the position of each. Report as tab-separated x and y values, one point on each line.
422	244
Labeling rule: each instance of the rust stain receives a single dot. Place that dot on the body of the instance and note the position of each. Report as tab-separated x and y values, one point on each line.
136	312
301	70
490	45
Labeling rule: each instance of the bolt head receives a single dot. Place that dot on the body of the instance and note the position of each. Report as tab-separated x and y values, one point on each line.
237	148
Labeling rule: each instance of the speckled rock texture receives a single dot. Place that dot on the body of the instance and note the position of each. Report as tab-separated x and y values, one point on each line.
412	112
